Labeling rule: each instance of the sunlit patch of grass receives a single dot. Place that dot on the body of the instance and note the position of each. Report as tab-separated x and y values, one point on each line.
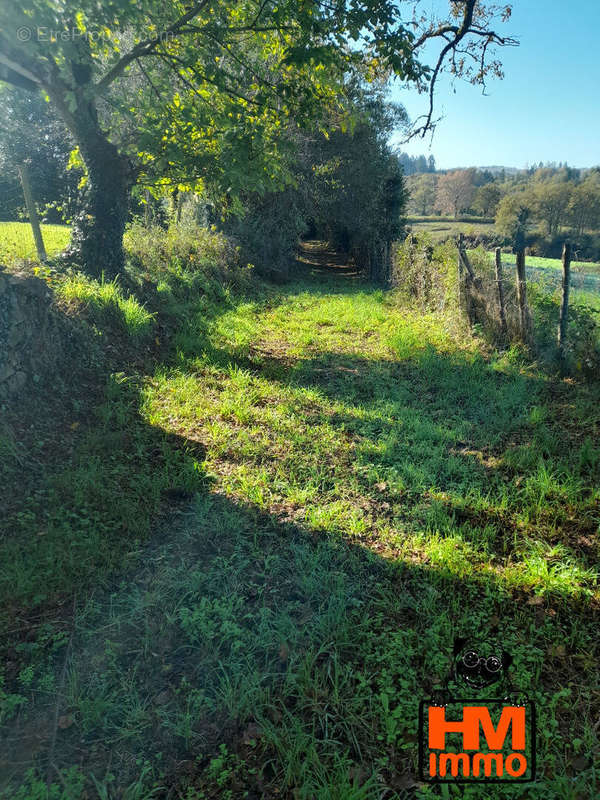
16	241
552	570
317	423
105	303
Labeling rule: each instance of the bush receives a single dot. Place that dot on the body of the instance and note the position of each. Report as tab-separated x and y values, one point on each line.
583	340
184	257
583	332
425	272
586	247
268	232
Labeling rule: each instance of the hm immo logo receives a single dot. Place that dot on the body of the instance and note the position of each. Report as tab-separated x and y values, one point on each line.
466	741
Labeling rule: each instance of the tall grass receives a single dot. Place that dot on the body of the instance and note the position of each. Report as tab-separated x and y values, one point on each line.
104	303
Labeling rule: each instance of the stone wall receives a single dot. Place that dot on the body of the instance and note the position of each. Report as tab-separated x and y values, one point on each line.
30	338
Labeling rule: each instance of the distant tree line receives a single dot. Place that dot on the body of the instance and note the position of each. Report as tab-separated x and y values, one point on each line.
412	165
552	200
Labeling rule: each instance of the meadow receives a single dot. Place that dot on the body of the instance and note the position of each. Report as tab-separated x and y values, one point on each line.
591	267
441	228
547	272
234	569
16	240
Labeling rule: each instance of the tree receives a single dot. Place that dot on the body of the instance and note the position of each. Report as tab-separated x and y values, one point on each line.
348	188
354	183
415	165
584	205
514	218
551	200
455	191
78	55
422	191
487	199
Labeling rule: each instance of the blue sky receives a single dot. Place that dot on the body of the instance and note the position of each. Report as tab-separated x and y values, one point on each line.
547	108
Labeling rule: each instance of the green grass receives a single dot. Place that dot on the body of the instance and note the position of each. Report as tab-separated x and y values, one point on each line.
16	240
363	485
104	303
462	218
553	263
443	228
585	275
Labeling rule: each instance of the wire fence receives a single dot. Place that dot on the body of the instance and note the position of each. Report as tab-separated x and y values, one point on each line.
534	306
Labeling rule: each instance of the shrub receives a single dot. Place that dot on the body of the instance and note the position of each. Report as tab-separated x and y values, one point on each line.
583	331
583	340
267	233
184	257
585	246
425	272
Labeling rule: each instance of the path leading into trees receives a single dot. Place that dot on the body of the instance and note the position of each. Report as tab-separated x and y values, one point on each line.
322	259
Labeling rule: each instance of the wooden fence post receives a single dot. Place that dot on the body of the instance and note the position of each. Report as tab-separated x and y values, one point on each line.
462	254
468	280
564	306
32	211
503	325
522	298
460	272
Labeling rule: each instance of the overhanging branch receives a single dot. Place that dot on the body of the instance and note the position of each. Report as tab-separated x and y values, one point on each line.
467	28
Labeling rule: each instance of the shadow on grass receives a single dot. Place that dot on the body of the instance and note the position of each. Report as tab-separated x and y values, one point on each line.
305	655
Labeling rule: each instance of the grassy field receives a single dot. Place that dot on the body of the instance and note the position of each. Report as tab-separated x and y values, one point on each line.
554	263
585	275
16	240
442	229
344	485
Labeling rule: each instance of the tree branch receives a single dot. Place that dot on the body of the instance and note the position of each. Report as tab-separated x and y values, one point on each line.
147	47
14	66
466	28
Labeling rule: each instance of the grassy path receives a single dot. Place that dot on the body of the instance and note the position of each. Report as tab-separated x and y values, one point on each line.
358	485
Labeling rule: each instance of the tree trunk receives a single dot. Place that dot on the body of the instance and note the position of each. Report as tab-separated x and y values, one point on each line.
97	233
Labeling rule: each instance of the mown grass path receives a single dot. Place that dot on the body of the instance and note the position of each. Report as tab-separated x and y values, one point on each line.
363	484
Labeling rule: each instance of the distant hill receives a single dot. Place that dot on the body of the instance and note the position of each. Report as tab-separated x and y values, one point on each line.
495	170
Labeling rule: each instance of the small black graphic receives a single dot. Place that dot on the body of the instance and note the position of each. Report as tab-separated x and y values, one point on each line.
480	664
